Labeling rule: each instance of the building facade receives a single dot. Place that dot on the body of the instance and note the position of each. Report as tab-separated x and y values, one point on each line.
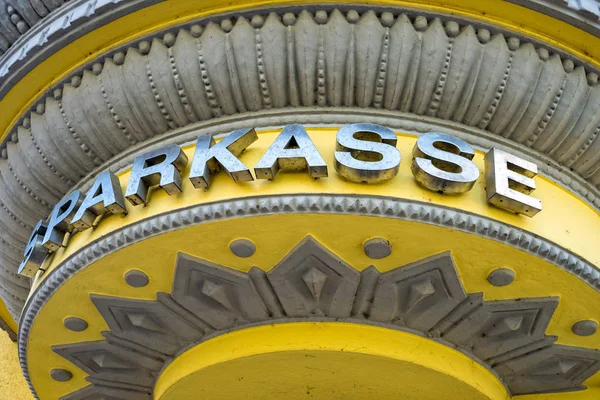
281	199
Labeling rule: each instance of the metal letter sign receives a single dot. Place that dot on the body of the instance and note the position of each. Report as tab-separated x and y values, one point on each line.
160	167
210	157
367	153
292	150
442	163
364	153
35	252
60	221
509	182
104	196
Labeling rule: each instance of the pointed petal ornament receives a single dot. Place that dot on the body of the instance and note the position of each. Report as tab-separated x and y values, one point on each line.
311	280
217	293
557	368
107	361
506	325
418	292
315	280
144	321
426	296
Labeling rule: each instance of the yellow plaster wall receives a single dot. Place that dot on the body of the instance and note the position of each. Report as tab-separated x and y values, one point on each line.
6	317
12	383
322	360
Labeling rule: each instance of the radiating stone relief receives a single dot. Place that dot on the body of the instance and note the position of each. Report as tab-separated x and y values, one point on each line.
313	283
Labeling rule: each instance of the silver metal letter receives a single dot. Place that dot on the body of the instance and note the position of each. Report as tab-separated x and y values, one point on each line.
35	253
367	153
442	163
162	167
509	182
104	196
210	157
292	150
60	221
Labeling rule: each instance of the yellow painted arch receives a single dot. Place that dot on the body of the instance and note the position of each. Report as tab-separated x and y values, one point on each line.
325	360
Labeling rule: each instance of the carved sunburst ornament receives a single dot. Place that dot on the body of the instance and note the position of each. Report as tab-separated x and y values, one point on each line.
311	283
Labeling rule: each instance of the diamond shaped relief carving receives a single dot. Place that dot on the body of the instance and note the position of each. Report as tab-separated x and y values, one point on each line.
217	293
149	323
108	362
551	369
310	281
315	280
144	321
418	295
498	327
222	297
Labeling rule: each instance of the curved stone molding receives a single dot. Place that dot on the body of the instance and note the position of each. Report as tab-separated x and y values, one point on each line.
587	8
18	16
78	17
68	22
330	204
310	282
427	68
584	14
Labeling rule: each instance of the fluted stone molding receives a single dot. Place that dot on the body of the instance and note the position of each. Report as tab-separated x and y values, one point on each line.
73	19
79	17
501	86
584	14
588	8
18	16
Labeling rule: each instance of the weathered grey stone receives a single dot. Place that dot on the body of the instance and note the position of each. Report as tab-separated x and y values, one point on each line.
418	295
18	16
93	392
242	248
75	324
110	362
501	277
219	296
585	328
312	281
60	375
136	278
497	327
377	248
552	369
149	323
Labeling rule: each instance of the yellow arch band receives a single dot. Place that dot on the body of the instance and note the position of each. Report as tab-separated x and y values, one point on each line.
325	360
